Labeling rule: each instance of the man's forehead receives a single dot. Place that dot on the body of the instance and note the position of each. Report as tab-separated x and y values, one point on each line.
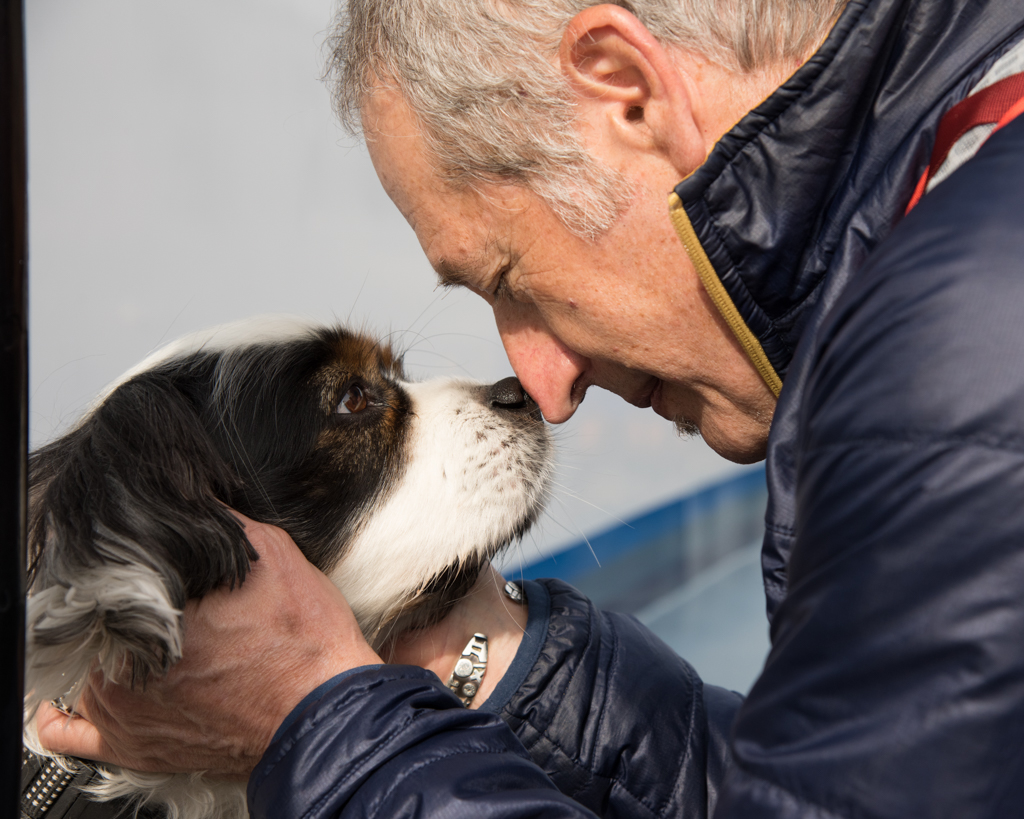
412	182
465	230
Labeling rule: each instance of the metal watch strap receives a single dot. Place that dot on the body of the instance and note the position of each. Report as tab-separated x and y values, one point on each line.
514	592
469	670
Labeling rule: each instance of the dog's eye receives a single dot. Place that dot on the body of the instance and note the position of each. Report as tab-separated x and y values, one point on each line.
354	400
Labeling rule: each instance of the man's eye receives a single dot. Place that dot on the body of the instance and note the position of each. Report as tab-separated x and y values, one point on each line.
354	400
502	290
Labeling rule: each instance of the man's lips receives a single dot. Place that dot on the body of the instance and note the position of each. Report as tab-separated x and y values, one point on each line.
644	397
656	401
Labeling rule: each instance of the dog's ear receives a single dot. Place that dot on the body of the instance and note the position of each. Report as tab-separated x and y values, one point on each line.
127	521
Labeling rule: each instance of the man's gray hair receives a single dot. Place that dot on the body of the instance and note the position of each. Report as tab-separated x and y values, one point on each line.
483	81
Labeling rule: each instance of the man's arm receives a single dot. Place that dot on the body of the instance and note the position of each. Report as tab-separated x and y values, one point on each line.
250	656
392	742
895	684
382	740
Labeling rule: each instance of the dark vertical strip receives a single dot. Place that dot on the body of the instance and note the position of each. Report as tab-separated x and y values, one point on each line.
13	393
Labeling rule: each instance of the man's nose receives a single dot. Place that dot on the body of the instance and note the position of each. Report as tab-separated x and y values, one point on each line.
546	368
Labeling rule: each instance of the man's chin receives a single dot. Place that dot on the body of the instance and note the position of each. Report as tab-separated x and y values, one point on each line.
685	427
739	446
742	446
735	436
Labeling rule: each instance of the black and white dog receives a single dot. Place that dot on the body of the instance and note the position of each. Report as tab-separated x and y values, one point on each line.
400	492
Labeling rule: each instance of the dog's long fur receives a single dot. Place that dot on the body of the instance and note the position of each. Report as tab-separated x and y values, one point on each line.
399	491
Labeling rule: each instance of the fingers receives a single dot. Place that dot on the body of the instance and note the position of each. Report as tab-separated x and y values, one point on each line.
271	641
284	572
265	537
71	735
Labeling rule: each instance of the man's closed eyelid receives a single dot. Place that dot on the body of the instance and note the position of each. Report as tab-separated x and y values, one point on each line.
502	289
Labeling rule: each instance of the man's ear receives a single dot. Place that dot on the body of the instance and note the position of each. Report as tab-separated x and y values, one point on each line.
629	88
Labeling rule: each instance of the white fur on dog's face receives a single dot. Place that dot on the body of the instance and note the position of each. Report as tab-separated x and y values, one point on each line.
474	479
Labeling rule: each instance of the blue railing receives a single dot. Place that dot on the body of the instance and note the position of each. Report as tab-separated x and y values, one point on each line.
625	567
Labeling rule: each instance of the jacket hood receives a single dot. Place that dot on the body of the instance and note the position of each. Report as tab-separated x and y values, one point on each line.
816	175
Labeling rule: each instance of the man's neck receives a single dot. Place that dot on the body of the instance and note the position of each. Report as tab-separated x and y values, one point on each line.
722	96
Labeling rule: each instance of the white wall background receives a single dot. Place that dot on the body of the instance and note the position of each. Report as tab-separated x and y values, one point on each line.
185	170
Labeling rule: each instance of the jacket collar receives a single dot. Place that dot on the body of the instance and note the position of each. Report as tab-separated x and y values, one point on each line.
810	180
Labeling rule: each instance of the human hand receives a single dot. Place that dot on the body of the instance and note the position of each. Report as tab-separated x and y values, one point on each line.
250	656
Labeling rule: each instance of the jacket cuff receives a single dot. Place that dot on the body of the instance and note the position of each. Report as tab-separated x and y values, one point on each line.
315	696
383	735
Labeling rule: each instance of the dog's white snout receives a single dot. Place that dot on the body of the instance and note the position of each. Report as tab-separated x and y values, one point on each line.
475	476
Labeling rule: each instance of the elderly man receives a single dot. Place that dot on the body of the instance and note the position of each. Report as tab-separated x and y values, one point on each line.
792	299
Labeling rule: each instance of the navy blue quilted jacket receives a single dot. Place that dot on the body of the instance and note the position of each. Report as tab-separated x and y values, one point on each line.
894	556
581	697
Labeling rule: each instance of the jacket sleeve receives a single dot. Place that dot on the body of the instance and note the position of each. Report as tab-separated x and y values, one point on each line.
895	684
617	719
611	717
390	742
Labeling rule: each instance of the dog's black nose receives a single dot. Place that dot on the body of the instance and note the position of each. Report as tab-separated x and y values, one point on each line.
509	394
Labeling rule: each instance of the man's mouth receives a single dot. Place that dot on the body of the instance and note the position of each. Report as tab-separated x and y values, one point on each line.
648	395
684	426
656	401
